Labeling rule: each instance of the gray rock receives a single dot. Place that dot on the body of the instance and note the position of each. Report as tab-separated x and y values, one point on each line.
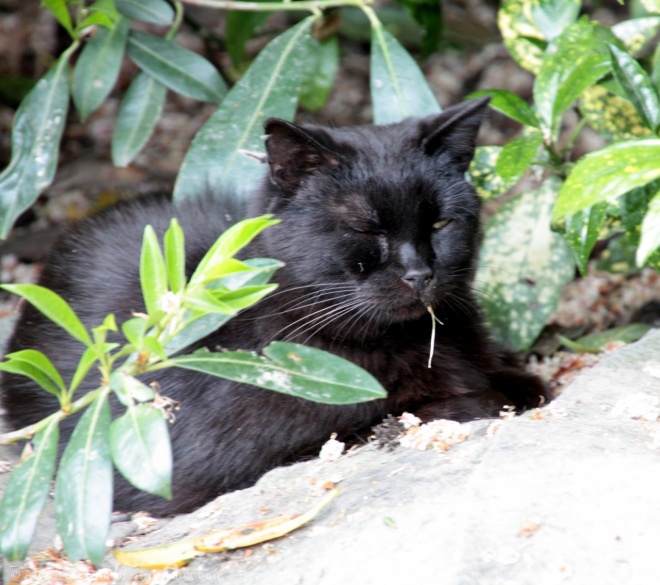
566	494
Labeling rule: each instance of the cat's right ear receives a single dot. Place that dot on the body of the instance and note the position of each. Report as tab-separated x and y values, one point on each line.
293	154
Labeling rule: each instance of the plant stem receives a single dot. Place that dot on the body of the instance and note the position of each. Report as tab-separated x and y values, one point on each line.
178	18
29	431
315	6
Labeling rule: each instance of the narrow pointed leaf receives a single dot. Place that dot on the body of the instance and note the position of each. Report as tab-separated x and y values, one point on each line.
292	369
52	306
637	86
83	487
155	11
153	275
247	296
510	105
214	162
140	447
523	267
36	132
320	72
608	173
25	494
97	67
239	27
596	342
30	371
41	362
175	256
180	69
139	111
582	231
398	87
87	360
650	240
60	12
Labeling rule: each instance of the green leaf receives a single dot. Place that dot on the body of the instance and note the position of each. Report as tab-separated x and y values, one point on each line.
614	118
87	360
228	244
523	267
428	13
60	12
575	60
486	182
175	256
595	342
292	369
510	105
521	36
25	493
83	488
41	369
97	68
320	71
179	69
607	173
637	33
153	275
650	240
517	155
398	87
618	257
651	5
270	87
36	133
155	11
582	231
246	296
552	17
139	111
637	85
96	19
140	447
129	389
52	306
239	27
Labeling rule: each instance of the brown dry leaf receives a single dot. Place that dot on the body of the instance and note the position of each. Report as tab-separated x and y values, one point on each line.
181	553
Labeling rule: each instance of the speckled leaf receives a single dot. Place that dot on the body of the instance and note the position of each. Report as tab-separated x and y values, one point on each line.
607	173
155	11
650	240
398	87
575	60
83	488
36	132
517	155
637	33
481	173
552	17
26	491
651	5
582	231
637	85
517	27
320	71
97	67
510	105
214	163
180	69
611	116
633	206
141	450
618	257
523	267
290	368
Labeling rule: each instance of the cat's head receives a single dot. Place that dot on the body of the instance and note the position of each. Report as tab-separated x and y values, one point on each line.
377	221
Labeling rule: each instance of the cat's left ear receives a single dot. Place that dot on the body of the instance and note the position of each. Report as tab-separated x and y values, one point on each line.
454	131
294	154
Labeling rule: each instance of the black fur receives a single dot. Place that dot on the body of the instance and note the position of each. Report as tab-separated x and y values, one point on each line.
365	255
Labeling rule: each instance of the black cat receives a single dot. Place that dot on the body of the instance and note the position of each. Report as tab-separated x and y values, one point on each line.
377	223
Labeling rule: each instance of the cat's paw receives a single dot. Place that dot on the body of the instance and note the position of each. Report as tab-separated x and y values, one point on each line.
522	389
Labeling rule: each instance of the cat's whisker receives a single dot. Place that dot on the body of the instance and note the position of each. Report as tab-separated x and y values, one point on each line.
324	320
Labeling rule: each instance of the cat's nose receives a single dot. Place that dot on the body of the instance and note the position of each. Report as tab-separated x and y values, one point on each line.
417	278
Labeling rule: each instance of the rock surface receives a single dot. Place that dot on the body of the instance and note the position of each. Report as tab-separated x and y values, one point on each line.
564	494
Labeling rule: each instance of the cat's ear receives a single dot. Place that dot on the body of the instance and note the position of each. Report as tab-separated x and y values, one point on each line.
294	154
454	131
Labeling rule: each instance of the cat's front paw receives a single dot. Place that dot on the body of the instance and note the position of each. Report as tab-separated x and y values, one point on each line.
522	389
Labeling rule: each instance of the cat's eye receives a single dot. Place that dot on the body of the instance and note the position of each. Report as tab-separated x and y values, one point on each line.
438	225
